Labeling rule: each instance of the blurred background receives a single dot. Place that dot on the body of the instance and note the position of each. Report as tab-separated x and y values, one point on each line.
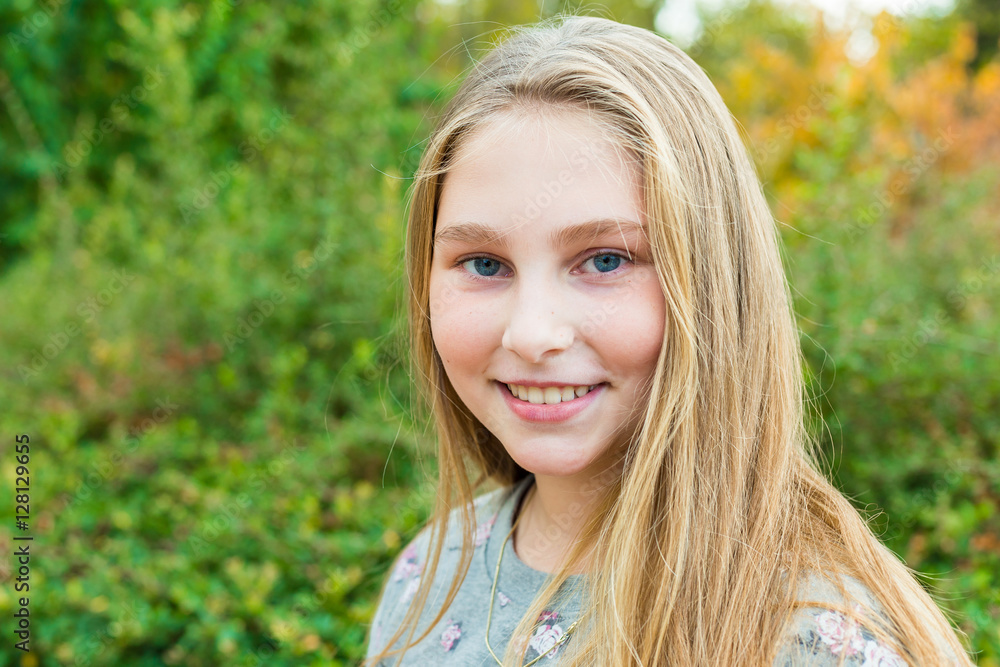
201	225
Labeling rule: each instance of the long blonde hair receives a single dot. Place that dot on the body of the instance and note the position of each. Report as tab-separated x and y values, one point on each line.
720	509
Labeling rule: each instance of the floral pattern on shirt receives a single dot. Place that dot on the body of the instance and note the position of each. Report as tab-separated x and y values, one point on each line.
840	633
408	565
483	531
545	640
408	569
451	635
482	534
411	589
834	635
547	637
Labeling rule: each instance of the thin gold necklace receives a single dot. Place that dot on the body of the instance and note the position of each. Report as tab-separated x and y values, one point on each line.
493	594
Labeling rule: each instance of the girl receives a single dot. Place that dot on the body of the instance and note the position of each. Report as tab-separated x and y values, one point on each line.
600	317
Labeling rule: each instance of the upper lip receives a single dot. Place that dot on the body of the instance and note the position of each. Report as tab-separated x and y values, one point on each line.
543	384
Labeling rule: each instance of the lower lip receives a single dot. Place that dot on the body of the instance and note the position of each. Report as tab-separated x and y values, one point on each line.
541	412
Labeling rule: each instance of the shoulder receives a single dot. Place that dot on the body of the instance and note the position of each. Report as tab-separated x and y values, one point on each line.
409	565
485	509
407	572
835	626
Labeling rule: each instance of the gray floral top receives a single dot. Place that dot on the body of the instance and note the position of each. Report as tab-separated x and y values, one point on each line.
818	636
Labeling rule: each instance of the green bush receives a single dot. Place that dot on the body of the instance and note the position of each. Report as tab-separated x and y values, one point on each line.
202	329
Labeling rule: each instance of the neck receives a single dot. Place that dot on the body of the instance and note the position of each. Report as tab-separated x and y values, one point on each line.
552	517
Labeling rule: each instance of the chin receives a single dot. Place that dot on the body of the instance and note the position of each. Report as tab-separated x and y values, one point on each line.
539	463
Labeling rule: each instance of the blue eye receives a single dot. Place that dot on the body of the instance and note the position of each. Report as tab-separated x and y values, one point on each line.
606	262
484	266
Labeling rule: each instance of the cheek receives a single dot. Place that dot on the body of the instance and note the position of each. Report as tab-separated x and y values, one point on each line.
462	331
637	329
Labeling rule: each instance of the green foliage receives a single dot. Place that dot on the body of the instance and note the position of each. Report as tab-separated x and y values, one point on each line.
202	221
203	211
894	262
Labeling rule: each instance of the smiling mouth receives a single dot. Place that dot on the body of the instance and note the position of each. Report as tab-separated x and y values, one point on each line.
548	395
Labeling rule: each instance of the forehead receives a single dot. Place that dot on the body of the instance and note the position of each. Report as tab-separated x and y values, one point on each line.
565	132
546	170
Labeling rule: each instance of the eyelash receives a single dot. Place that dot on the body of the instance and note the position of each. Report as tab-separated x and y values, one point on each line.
616	253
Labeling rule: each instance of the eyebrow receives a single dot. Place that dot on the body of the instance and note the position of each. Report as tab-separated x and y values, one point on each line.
475	233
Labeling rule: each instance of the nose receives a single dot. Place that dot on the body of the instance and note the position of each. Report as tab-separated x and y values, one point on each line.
539	324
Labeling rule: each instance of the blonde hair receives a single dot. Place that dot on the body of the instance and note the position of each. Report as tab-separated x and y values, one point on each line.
720	510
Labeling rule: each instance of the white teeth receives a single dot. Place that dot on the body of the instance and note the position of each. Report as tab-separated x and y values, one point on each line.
548	395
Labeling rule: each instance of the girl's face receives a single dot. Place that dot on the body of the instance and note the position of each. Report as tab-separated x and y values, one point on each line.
544	303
